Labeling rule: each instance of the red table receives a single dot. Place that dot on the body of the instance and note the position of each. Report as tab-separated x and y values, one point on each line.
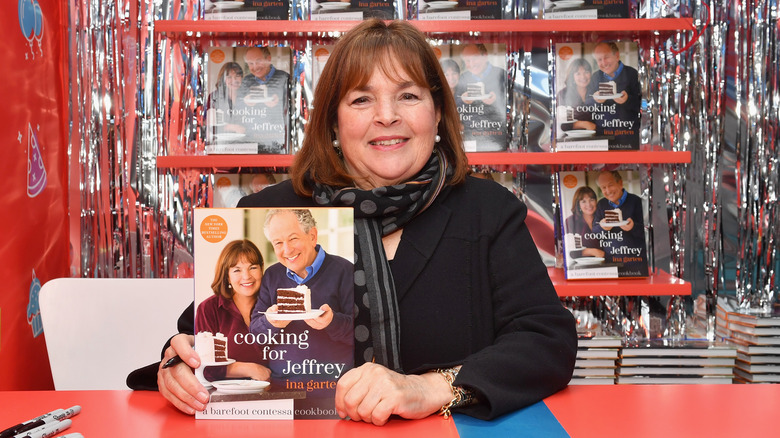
657	411
666	411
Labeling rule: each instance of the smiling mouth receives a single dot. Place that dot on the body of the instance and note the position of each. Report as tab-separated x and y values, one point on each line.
387	142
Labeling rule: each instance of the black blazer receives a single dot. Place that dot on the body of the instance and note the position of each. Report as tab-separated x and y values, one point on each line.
472	290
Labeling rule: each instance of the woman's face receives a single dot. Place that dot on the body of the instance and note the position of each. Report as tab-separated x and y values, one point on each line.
582	77
588	205
386	130
452	77
245	278
233	79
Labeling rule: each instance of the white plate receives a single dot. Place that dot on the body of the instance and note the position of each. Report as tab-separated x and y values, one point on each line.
295	316
240	386
252	101
229	136
217	364
567	3
228	4
606	96
442	4
473	98
580	133
613	224
334	5
587	261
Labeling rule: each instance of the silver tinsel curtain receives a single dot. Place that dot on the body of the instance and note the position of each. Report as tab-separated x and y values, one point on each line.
714	93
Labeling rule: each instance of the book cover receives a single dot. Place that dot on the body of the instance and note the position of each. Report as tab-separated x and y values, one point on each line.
229	188
273	346
759	358
247	106
460	10
677	348
679	361
600	341
585	9
597	353
603	224
476	73
756	377
598	96
594	372
247	10
676	371
351	10
590	380
674	380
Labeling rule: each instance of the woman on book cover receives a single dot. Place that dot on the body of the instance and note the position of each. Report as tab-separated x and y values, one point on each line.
237	279
583	211
454	308
222	102
575	95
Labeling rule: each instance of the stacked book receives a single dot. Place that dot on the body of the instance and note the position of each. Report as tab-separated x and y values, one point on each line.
596	360
756	336
665	361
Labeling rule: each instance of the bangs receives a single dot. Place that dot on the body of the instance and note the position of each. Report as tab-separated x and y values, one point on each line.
360	64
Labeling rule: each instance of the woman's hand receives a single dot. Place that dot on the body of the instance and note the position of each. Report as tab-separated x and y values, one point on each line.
372	393
323	320
248	369
178	383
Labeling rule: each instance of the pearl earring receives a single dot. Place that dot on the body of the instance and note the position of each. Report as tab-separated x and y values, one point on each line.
437	138
336	144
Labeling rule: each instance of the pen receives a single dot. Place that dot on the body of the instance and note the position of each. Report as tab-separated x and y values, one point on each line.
171	362
57	414
47	430
72	435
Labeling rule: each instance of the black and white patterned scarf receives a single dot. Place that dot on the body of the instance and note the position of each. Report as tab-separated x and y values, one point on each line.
379	212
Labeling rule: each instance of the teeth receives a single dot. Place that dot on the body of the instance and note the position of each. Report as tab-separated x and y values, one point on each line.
387	142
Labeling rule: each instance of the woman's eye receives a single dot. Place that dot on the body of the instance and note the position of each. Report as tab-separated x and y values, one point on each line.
409	96
360	100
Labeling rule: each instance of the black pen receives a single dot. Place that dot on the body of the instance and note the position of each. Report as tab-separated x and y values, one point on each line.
173	361
57	414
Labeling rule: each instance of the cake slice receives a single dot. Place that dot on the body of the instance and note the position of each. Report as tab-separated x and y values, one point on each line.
293	300
613	216
211	347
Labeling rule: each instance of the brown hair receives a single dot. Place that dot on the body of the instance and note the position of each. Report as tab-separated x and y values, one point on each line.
373	44
231	254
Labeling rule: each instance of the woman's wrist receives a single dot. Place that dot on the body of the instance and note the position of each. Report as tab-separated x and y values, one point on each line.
460	396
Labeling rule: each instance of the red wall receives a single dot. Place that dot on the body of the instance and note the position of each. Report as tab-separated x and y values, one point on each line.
33	167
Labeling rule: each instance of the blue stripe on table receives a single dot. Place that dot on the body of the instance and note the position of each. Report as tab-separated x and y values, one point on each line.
533	421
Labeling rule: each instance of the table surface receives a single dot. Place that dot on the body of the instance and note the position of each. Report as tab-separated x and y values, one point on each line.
583	411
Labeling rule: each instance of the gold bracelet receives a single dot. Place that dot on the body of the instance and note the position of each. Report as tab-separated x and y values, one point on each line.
460	396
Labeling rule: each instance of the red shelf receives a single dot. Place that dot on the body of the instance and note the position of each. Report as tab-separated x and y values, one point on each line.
224	161
660	283
553	158
269	27
476	159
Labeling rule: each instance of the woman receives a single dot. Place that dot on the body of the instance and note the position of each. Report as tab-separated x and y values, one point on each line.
237	280
467	298
224	99
583	210
575	95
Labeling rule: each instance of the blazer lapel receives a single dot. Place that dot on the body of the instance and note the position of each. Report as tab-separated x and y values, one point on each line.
418	243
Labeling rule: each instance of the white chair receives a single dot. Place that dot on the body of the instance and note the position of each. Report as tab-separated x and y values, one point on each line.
99	330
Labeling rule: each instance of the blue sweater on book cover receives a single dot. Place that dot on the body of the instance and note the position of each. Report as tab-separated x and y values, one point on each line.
332	284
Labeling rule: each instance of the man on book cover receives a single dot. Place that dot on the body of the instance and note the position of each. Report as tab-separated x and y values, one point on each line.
482	89
263	93
616	90
324	350
623	241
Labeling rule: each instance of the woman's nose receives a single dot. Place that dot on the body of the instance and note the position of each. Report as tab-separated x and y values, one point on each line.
386	113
